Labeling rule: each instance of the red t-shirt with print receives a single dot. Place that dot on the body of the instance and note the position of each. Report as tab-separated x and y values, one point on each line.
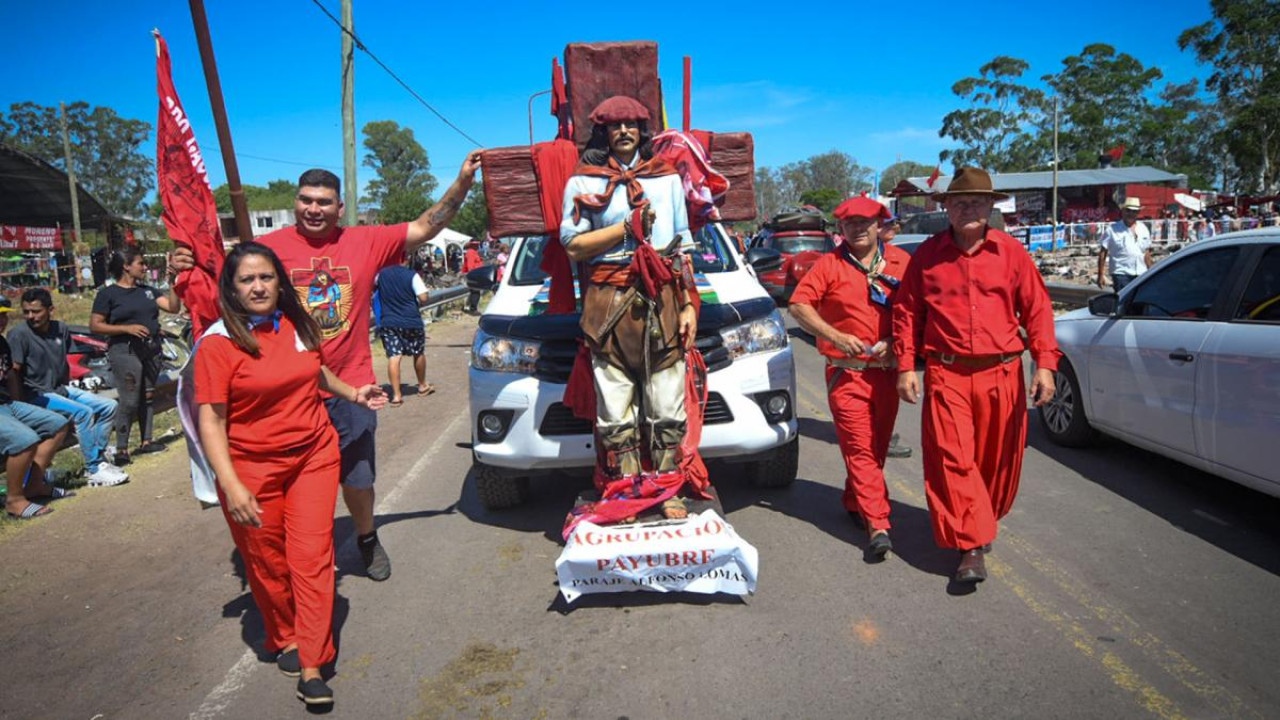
273	400
334	278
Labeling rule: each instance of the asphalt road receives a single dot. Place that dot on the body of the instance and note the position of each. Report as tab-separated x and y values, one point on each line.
1122	586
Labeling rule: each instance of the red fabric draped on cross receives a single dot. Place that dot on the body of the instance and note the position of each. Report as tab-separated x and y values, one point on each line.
554	163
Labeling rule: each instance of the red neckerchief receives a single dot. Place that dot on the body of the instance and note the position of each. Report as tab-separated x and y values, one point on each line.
616	174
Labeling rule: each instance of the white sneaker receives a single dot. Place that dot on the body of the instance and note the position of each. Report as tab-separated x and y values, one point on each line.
112	469
106	478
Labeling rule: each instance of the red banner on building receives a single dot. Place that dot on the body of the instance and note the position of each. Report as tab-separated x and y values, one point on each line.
18	237
190	213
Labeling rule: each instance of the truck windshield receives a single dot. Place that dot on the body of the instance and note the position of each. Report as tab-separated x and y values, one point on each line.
710	255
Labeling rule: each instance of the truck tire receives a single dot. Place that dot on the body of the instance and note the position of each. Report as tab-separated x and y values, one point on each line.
498	490
781	469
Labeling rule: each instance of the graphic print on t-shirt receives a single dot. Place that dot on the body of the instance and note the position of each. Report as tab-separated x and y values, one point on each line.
325	292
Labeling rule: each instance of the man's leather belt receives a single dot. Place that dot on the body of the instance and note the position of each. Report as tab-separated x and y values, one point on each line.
860	364
978	362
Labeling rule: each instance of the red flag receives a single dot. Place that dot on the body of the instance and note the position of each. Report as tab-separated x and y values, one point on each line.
937	172
1116	152
190	213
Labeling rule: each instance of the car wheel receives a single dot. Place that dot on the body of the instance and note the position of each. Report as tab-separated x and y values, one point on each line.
497	489
1063	417
781	469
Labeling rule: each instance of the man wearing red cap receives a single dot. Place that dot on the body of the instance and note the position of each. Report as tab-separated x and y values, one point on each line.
846	301
967	293
625	219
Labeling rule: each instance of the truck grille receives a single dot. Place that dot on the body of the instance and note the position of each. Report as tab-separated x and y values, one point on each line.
560	420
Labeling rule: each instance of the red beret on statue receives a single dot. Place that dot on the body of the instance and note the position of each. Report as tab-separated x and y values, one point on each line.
861	206
617	109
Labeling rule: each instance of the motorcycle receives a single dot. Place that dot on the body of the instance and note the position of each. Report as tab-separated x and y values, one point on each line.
91	371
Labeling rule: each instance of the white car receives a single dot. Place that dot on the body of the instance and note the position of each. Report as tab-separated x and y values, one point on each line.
521	358
1184	362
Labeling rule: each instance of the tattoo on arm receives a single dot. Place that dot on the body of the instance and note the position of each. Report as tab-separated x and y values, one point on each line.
443	211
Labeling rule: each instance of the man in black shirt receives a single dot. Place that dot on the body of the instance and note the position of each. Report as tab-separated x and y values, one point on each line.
29	438
40	357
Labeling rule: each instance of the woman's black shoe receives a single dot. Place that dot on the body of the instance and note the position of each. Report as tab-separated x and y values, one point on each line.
314	692
288	663
151	446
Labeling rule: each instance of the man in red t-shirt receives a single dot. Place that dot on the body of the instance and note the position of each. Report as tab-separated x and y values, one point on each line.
967	294
845	302
333	269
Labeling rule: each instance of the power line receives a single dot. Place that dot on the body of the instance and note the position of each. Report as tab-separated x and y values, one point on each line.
395	77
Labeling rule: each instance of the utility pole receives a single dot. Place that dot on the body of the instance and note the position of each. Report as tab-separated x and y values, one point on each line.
351	214
1055	167
238	205
71	181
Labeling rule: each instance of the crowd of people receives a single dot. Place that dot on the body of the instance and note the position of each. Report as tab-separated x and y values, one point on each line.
291	353
39	405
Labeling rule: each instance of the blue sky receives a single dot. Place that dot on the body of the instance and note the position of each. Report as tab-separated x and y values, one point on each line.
872	81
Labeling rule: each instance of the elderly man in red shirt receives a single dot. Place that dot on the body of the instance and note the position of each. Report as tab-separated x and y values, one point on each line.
967	293
845	302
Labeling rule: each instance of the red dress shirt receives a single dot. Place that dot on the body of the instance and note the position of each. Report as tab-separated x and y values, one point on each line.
973	304
838	292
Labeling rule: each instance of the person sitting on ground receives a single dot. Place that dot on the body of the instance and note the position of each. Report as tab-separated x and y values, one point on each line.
128	313
40	357
29	438
400	292
275	453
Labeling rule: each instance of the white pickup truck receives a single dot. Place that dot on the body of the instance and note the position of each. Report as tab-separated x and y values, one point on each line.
521	358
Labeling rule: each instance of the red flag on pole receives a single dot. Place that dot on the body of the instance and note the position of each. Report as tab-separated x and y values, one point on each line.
937	172
1116	152
190	212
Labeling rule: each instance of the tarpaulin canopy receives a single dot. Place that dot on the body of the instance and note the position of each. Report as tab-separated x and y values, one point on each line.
35	193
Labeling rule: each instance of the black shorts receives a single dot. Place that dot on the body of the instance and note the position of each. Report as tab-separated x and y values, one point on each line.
356	428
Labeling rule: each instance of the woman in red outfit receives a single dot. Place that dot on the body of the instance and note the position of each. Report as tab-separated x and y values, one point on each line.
269	440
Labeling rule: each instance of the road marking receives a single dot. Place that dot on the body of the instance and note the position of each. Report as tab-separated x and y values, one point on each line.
1171	661
218	699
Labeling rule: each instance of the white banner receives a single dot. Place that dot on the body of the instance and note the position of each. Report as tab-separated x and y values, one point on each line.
701	554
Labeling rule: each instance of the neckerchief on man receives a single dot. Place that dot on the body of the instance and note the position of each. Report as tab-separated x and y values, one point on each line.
274	318
616	174
874	276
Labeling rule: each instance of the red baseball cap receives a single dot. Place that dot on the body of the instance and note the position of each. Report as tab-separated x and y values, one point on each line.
861	206
617	109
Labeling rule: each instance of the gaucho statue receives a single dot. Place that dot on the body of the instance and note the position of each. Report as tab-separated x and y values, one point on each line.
625	221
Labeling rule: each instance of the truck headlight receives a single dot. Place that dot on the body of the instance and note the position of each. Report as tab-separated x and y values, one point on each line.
757	336
503	354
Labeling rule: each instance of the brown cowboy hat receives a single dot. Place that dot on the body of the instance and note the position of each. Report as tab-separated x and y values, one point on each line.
970	181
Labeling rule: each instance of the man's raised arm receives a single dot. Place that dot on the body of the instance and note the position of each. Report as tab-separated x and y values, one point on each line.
438	216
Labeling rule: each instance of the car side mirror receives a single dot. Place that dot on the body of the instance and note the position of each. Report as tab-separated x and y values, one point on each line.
483	278
1104	305
764	259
